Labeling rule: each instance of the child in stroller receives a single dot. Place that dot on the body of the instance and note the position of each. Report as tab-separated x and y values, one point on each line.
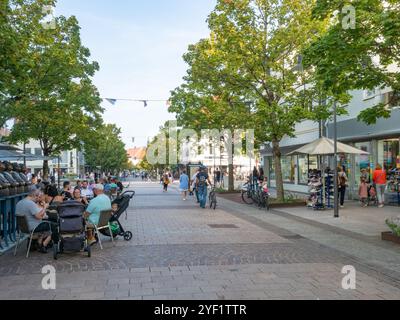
71	229
120	205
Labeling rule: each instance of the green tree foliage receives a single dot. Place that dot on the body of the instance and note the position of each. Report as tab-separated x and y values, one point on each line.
51	96
254	56
107	151
204	102
364	57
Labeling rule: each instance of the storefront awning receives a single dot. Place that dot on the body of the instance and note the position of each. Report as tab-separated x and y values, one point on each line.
268	152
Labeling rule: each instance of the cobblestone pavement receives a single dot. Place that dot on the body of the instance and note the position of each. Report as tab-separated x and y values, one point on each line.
182	252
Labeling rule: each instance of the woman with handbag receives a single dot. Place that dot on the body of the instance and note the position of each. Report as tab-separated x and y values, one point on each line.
342	183
380	181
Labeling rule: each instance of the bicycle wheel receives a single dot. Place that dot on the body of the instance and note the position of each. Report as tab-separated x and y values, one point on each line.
247	198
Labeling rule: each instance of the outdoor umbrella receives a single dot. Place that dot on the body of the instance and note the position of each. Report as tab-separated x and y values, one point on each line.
6	146
325	146
11	155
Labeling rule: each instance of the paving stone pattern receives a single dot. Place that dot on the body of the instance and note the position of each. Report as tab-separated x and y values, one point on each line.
176	254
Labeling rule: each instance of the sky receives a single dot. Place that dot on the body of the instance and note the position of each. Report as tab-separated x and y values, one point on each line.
139	45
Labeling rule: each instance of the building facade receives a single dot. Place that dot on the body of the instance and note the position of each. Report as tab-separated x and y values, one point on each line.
381	141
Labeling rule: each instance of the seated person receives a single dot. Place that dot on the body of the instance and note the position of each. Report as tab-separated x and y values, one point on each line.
86	191
66	193
114	208
51	195
100	203
78	197
35	215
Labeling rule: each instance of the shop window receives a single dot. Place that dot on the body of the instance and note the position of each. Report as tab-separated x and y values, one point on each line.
389	153
362	161
271	169
305	164
288	169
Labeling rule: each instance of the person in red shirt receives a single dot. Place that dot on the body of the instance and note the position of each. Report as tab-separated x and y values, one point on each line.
380	180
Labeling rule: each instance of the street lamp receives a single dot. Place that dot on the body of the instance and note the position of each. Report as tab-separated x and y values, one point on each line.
336	208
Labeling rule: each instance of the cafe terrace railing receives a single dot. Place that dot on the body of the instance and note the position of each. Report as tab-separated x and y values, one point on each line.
8	221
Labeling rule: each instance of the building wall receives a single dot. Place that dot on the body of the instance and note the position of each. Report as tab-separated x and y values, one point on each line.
381	140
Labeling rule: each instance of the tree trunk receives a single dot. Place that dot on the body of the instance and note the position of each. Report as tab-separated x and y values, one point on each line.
231	184
278	170
46	170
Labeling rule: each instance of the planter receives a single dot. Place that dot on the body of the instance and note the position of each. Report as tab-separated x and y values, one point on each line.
390	236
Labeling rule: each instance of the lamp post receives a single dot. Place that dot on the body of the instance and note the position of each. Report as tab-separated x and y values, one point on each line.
336	209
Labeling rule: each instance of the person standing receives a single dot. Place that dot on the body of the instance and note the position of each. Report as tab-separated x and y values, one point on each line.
184	184
201	182
342	183
380	181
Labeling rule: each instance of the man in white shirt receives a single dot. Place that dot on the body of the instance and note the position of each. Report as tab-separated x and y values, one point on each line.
194	186
86	191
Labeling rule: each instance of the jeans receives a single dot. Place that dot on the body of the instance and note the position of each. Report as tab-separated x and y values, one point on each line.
380	192
203	196
342	195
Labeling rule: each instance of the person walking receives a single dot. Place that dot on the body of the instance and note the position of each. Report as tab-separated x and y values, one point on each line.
166	182
342	183
201	182
184	184
380	180
194	185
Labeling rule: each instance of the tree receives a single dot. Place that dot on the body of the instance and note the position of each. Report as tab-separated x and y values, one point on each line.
107	151
52	98
364	55
18	21
203	102
258	44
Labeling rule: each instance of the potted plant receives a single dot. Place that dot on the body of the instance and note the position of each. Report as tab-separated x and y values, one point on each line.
394	235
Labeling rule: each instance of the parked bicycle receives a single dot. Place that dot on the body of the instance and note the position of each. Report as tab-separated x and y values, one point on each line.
253	193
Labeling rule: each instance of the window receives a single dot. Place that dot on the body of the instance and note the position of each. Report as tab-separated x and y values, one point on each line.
303	169
362	161
389	153
288	169
271	169
38	152
306	163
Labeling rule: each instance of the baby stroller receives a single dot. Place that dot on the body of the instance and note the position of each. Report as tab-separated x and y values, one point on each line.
71	229
372	196
117	229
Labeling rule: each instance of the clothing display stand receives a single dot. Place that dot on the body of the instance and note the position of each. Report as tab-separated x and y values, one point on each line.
393	185
329	188
316	190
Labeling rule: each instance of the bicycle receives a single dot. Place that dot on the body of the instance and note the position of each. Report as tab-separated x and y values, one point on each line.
213	199
248	193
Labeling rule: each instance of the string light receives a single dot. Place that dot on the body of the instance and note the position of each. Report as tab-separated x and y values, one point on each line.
114	101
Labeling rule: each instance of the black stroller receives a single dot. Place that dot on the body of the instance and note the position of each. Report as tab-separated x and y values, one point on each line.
123	204
71	229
